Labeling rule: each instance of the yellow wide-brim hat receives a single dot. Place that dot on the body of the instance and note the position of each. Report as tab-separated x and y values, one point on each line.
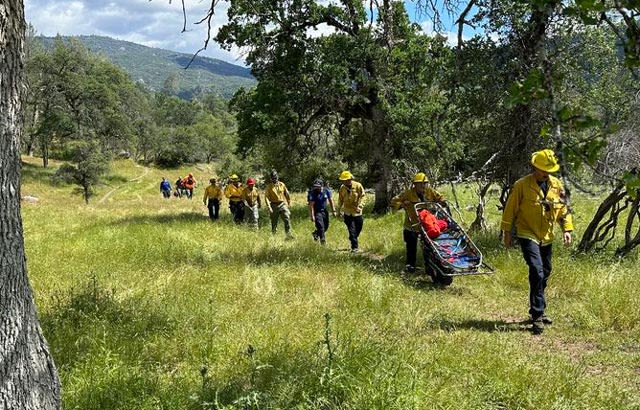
345	176
545	160
420	177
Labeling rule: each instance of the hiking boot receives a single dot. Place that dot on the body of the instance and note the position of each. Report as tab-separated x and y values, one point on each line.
355	250
538	326
544	318
315	236
410	269
323	241
288	236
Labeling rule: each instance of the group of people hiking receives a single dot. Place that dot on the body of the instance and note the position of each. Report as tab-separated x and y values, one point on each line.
184	187
536	203
245	201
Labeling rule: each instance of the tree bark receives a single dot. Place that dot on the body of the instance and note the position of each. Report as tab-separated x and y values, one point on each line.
379	163
28	377
591	234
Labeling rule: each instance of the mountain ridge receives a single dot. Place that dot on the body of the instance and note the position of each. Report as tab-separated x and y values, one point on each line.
153	66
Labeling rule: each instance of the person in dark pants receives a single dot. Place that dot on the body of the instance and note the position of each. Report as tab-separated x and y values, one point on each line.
212	199
317	197
350	205
418	193
234	192
165	188
535	204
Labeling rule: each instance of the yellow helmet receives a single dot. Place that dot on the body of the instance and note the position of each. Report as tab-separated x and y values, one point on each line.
420	177
545	160
345	176
234	177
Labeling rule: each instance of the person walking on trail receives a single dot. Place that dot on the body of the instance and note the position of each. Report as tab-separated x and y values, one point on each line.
535	204
212	199
350	206
188	184
318	196
165	188
251	198
419	192
179	188
278	203
233	192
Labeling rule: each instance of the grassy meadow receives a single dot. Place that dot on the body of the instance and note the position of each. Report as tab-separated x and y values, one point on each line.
146	304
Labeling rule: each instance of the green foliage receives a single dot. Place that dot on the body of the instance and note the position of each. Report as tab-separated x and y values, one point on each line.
191	131
360	95
77	96
632	183
90	163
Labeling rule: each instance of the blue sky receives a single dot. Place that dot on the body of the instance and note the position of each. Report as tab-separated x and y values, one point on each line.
155	23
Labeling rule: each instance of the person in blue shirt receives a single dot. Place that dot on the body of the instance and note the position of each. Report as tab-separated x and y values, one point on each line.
318	196
165	188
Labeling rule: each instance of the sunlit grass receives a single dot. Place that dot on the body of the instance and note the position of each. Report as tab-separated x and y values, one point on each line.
147	304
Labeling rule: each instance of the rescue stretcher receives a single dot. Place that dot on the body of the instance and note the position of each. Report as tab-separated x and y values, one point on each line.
452	253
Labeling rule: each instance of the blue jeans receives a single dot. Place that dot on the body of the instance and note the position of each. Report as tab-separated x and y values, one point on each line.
322	224
538	259
354	226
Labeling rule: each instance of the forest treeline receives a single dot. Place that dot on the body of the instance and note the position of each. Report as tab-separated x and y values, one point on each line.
77	99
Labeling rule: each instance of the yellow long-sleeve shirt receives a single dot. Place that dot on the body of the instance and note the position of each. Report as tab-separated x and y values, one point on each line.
251	197
234	193
213	192
534	215
277	192
411	195
351	199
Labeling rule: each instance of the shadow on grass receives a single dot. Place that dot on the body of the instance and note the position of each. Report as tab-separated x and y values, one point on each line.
190	217
115	179
313	255
37	173
481	324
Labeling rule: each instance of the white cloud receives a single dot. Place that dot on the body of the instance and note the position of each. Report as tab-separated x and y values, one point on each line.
153	23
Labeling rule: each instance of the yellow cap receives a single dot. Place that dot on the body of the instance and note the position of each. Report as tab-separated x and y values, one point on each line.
545	160
345	176
420	177
234	177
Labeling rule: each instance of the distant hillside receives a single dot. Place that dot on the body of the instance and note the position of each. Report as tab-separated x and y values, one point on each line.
152	66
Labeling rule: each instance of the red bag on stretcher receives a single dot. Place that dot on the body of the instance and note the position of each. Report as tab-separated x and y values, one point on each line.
432	225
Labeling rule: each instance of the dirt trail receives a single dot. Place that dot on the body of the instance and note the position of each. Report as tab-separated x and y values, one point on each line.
108	194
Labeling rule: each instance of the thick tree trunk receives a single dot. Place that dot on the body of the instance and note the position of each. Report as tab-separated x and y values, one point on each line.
28	378
380	161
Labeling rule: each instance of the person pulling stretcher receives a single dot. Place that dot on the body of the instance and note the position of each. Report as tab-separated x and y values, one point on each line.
420	192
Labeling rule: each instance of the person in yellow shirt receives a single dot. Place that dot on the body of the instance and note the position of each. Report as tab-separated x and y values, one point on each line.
535	204
251	198
234	192
350	205
212	199
420	192
278	203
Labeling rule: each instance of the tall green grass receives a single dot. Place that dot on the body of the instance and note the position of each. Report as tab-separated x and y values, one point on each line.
148	305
